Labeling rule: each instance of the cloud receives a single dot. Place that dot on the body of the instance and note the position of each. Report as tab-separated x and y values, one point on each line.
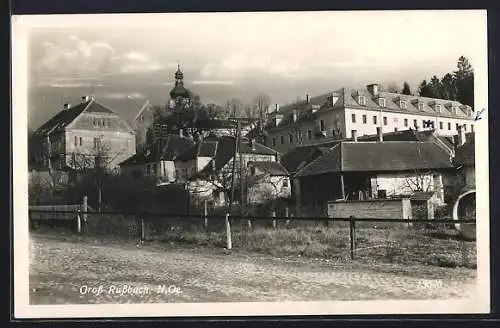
213	82
73	56
118	95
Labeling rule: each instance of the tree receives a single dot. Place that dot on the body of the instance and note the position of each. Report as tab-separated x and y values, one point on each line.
424	90
464	77
448	87
93	165
392	87
435	87
406	89
262	101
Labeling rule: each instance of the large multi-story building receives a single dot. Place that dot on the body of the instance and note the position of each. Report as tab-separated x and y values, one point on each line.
337	114
77	135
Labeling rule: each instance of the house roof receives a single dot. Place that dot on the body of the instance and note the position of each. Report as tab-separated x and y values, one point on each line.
271	168
173	145
299	156
388	156
203	148
62	119
348	97
466	154
226	148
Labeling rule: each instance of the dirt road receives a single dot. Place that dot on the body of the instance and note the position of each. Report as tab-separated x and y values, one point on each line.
81	272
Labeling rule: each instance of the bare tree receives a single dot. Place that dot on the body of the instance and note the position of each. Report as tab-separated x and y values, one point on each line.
95	165
262	101
420	181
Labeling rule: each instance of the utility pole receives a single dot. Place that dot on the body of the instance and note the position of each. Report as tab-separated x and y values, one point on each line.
237	150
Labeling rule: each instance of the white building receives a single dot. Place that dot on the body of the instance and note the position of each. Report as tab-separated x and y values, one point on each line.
335	115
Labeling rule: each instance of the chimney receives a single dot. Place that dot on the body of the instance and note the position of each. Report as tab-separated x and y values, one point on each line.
85	99
294	115
461	136
67	106
277	156
307	98
373	89
354	134
380	134
252	144
277	108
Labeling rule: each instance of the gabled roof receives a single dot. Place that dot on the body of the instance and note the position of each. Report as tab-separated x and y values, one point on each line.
299	156
173	145
271	168
226	148
204	148
387	156
65	117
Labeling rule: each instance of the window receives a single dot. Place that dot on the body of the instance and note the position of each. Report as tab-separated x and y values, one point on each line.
406	122
456	127
421	106
423	123
291	138
274	141
353	118
374	119
282	139
76	141
322	125
95	122
402	104
441	125
80	141
309	134
415	123
362	100
438	108
385	120
299	134
252	170
465	127
285	182
449	126
471	128
395	129
364	119
96	143
381	102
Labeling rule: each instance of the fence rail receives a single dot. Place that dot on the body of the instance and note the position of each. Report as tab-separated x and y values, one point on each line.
142	222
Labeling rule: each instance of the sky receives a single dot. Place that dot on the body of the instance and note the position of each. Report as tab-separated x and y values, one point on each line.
124	60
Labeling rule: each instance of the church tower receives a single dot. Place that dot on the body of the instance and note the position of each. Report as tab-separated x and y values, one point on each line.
179	94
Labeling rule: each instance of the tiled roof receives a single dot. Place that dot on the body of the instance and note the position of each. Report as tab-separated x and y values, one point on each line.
298	156
466	154
203	148
348	97
271	168
388	156
225	152
65	116
173	146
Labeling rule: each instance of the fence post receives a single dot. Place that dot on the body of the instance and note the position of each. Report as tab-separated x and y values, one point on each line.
85	209
274	220
205	212
228	233
143	229
287	215
78	222
352	235
249	224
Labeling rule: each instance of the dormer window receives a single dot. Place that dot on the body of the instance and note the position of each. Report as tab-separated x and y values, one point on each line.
362	100
420	106
402	104
381	102
438	108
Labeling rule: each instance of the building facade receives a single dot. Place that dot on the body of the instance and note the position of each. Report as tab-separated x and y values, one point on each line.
335	115
77	135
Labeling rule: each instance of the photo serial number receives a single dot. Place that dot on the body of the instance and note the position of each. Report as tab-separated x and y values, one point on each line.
122	290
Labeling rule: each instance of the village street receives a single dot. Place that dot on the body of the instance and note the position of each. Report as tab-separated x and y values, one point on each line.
66	271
